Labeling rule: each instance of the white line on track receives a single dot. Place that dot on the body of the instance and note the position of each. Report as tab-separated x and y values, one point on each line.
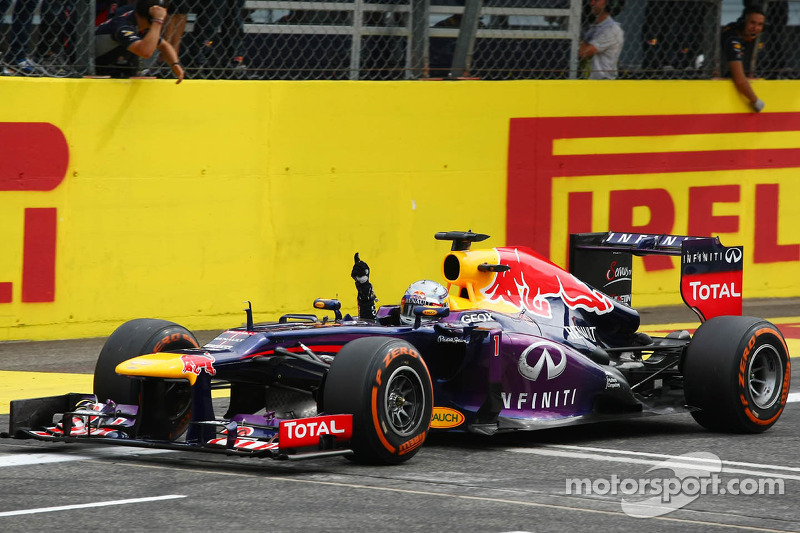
581	508
25	459
88	505
652	459
568	504
665	456
793	397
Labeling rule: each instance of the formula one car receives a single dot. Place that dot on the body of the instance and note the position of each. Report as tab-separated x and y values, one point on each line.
513	342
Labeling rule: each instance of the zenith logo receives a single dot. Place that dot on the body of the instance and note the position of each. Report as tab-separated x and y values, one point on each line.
733	255
545	360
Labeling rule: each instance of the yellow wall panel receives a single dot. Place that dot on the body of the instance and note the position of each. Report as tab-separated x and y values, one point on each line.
183	201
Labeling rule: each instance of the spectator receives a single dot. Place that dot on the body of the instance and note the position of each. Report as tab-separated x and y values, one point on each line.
61	37
223	19
602	43
173	33
176	25
17	61
132	33
738	52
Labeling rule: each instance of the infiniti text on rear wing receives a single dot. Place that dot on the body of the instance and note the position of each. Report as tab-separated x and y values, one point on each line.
711	274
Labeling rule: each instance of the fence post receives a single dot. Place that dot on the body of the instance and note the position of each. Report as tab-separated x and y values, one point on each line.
420	38
355	49
462	57
84	30
575	37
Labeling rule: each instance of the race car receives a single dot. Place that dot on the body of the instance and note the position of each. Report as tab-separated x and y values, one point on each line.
511	342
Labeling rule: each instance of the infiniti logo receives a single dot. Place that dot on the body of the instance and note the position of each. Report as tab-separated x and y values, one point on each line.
545	360
733	255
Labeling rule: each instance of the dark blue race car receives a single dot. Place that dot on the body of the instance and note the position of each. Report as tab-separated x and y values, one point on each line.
512	342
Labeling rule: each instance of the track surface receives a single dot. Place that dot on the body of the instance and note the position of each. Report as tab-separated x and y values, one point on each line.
456	483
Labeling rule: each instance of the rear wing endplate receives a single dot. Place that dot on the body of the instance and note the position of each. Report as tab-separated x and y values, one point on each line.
711	274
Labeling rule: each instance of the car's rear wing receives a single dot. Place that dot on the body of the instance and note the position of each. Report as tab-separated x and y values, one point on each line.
711	274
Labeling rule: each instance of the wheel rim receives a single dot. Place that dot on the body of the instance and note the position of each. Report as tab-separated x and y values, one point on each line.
179	397
765	376
404	401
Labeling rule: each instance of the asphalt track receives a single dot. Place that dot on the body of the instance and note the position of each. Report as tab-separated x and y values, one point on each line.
456	483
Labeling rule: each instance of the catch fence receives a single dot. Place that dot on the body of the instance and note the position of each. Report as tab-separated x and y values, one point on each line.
402	39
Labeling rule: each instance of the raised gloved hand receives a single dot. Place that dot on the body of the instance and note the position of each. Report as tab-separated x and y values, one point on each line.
360	272
758	105
366	296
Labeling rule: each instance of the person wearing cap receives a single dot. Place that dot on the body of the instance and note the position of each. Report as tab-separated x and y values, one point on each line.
738	46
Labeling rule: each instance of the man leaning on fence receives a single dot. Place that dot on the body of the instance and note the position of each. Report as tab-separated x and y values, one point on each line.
602	42
739	41
134	31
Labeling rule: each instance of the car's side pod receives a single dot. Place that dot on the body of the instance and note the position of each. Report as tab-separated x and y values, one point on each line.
711	274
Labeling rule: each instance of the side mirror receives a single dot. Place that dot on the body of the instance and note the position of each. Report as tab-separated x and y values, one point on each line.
422	310
329	305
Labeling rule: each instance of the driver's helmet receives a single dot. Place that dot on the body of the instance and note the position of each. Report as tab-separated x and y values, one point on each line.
424	292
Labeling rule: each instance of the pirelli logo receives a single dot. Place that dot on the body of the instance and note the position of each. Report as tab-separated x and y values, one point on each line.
33	157
629	155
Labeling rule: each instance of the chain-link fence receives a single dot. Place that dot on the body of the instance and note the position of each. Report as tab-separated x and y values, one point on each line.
399	39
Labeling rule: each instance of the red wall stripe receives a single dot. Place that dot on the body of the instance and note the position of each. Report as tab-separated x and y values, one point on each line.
532	165
5	292
39	255
33	156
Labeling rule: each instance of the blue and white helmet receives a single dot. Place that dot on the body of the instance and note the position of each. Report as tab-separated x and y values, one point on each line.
424	292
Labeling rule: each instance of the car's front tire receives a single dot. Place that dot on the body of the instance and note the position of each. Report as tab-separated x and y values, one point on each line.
385	384
139	337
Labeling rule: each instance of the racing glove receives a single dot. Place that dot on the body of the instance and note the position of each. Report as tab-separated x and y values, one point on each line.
366	296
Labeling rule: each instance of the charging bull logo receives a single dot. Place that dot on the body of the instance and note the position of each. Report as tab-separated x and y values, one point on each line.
532	281
196	363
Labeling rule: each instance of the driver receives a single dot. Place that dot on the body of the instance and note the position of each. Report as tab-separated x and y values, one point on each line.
424	292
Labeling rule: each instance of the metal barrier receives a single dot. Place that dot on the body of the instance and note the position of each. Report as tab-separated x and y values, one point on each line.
403	39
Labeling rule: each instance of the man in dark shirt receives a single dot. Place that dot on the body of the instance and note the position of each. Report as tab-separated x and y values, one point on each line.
738	44
132	33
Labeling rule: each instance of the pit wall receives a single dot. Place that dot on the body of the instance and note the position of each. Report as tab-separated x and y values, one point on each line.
141	198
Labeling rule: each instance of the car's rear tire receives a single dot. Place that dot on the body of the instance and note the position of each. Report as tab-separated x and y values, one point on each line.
736	374
138	337
385	384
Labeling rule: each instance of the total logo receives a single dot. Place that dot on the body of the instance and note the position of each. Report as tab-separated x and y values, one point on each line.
307	431
445	417
701	291
550	356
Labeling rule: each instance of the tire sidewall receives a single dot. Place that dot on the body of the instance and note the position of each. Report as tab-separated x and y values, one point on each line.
750	414
398	356
715	380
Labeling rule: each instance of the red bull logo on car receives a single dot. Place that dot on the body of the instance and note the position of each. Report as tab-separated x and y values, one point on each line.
196	363
532	281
